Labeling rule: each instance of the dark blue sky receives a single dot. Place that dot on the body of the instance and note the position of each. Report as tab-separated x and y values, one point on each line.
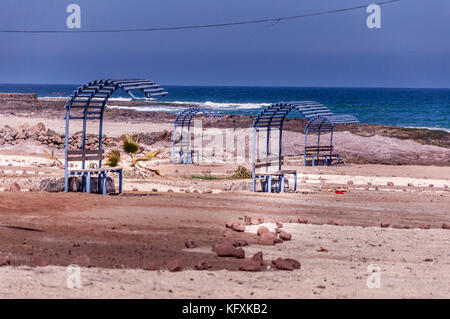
412	49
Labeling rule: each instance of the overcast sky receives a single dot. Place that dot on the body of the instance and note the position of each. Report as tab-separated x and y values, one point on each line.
412	49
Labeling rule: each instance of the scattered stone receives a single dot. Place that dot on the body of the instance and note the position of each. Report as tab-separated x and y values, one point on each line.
337	223
238	227
202	266
431	185
322	250
425	226
400	226
410	185
151	266
385	224
302	220
279	225
285	235
239	242
229	224
175	265
135	189
350	183
390	184
262	229
14	187
286	264
267	239
5	261
428	259
250	265
258	257
278	240
40	262
190	244
170	190
224	249
239	253
445	226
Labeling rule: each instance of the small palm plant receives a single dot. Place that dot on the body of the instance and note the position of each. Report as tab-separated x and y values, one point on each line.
132	165
52	160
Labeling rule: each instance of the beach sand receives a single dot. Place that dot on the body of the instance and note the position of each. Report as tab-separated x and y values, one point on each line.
118	236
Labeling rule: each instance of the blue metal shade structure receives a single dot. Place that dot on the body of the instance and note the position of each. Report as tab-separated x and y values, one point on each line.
322	125
88	103
271	120
183	123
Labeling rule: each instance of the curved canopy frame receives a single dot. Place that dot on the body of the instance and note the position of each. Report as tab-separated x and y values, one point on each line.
272	118
88	103
183	122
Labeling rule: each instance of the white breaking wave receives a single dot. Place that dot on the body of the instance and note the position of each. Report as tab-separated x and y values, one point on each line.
225	105
430	128
149	108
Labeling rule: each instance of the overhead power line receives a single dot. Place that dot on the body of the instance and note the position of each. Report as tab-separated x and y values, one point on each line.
202	26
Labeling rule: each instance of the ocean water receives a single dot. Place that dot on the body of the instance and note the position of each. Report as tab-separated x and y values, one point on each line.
425	108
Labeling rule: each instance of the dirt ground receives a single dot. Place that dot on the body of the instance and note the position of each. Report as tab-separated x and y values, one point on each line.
115	238
122	234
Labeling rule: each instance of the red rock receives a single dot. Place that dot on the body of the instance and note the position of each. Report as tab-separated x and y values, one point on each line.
278	240
294	262
14	187
302	220
337	223
425	226
258	257
40	262
250	265
400	226
83	261
190	244
445	226
224	249
279	225
239	242
170	190
202	266
229	224
238	227
239	253
267	239
285	235
285	264
175	265
262	229
247	220
385	224
151	267
5	261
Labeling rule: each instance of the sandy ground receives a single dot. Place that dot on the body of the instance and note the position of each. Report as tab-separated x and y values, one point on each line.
118	236
120	241
341	272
